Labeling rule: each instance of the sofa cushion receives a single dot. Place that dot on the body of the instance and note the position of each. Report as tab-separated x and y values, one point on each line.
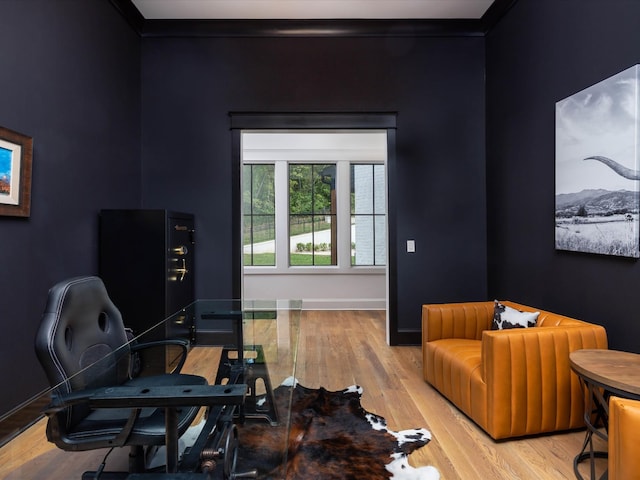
505	317
453	367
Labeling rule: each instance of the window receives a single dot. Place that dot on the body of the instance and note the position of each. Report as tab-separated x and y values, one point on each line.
259	220
314	201
312	217
368	215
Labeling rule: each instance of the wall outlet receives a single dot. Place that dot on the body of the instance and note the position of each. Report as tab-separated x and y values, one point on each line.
411	246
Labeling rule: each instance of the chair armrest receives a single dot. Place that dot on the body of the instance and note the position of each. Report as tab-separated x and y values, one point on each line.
530	385
179	342
456	320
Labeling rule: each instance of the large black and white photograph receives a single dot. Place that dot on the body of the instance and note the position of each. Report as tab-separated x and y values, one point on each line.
597	171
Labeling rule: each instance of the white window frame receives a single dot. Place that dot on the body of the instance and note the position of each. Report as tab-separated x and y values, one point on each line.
343	205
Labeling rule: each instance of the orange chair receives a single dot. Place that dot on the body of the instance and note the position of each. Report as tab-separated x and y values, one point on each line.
624	439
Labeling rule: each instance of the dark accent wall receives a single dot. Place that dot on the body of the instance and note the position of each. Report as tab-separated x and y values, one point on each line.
115	126
434	84
124	120
540	52
71	80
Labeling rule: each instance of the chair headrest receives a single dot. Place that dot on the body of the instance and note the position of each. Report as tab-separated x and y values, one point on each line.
81	325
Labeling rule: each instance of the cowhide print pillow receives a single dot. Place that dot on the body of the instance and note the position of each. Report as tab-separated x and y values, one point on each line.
505	317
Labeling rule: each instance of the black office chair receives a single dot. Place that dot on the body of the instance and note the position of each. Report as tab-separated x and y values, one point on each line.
83	346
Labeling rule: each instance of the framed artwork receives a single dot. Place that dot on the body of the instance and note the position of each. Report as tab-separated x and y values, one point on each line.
16	151
597	198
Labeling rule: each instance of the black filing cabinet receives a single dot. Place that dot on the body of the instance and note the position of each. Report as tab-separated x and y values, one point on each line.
147	264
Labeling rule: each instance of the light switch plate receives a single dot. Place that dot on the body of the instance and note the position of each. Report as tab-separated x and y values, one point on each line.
411	246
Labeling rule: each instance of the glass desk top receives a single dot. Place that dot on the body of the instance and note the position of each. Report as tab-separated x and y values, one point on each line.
268	331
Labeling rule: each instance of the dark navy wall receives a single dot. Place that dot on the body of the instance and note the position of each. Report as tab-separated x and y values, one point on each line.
543	51
436	87
115	126
71	80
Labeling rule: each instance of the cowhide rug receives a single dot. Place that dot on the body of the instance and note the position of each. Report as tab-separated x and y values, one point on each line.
331	437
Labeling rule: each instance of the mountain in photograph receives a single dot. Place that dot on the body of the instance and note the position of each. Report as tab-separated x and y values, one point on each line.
598	202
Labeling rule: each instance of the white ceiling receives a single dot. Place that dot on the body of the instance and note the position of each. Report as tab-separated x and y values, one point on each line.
311	9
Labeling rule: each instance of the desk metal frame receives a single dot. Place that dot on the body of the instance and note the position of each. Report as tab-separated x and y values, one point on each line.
596	417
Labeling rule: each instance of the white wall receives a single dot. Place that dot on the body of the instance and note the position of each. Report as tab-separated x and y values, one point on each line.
321	291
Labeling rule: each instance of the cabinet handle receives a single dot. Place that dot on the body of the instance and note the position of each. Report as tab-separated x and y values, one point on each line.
183	270
180	250
179	270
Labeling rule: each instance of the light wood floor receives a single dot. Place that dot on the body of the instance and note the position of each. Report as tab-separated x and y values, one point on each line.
338	349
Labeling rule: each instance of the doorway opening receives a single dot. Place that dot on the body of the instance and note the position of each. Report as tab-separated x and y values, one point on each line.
263	122
314	217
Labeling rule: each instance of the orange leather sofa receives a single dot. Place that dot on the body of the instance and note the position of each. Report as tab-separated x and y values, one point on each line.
624	439
513	382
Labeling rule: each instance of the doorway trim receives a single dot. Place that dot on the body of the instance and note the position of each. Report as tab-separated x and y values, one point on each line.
291	121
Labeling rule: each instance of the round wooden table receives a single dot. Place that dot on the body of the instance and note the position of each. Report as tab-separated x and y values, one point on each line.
602	373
